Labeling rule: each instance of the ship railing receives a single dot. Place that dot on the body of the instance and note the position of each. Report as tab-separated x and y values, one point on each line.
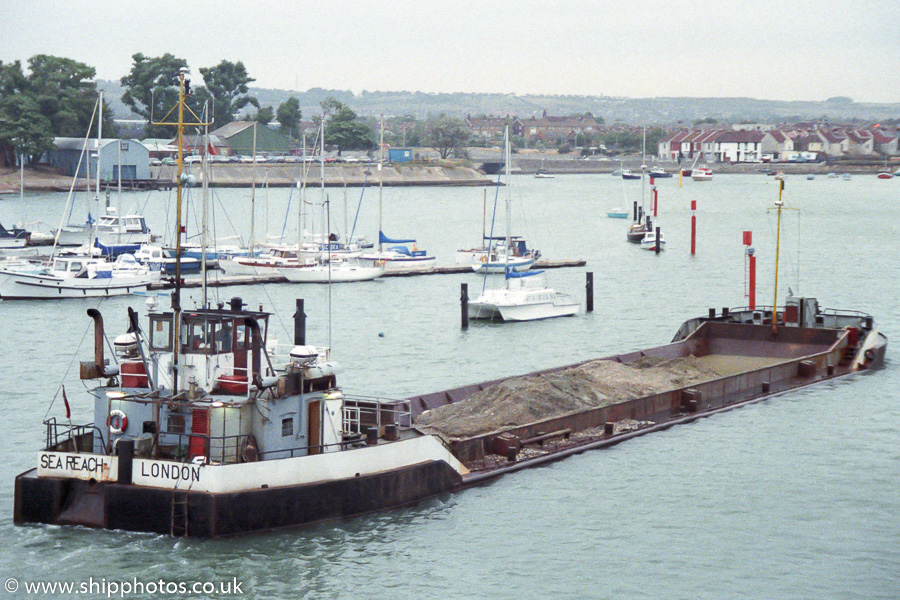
72	437
373	411
187	446
308	450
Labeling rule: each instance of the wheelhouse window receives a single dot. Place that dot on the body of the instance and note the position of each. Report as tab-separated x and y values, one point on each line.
161	333
175	424
198	336
287	427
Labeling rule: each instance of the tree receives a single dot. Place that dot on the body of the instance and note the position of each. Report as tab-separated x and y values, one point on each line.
344	129
23	127
289	116
152	89
446	134
226	89
66	93
264	115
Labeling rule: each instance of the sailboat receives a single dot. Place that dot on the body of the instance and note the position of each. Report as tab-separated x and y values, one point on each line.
525	296
397	257
326	261
498	254
642	224
72	275
16	237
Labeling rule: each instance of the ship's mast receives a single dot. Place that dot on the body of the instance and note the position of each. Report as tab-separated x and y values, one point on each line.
184	90
778	206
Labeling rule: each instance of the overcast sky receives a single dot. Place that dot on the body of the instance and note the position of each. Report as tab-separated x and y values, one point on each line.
767	49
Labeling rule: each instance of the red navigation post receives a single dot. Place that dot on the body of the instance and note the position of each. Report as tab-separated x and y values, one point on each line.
653	193
750	266
693	227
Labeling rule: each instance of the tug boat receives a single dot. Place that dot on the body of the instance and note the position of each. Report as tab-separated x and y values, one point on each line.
199	431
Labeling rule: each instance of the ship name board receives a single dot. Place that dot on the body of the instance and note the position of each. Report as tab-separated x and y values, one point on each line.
79	466
164	474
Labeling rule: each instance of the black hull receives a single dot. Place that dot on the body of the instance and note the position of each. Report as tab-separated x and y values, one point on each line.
198	514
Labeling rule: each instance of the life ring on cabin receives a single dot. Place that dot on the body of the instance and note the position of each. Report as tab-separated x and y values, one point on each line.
484	259
870	354
117	422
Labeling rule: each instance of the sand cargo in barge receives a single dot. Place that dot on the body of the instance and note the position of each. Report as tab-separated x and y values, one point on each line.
233	439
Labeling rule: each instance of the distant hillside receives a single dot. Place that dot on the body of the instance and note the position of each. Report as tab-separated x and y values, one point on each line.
633	111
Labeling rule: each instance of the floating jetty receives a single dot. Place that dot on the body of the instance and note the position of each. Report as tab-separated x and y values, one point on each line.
226	280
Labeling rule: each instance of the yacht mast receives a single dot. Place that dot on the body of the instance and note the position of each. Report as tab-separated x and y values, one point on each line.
253	195
380	181
508	204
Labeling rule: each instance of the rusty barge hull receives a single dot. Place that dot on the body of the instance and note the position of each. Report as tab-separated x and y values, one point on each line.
802	356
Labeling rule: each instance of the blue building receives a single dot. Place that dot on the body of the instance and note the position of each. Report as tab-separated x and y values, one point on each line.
399	155
133	156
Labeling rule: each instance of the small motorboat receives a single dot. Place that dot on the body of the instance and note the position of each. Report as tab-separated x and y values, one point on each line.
649	241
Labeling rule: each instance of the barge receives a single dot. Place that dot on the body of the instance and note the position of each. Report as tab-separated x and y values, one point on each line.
212	433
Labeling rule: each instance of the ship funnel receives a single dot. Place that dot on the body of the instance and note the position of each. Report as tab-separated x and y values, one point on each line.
97	368
299	324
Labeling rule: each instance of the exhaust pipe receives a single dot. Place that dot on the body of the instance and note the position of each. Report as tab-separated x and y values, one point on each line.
98	368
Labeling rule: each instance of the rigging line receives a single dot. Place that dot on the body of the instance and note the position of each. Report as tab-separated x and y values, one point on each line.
358	206
276	312
287	213
491	236
74	357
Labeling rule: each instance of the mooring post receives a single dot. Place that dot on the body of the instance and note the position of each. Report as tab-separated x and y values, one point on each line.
658	240
464	305
589	291
693	227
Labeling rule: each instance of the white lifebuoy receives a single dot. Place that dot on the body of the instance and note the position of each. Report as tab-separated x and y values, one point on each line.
117	421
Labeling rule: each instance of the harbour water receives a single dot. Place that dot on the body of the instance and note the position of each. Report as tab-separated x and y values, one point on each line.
794	497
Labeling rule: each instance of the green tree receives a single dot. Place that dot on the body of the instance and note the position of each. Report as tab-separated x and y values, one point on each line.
23	128
446	134
151	89
344	129
66	93
289	116
264	115
226	89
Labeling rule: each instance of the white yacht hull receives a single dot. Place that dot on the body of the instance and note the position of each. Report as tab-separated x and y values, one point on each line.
37	286
494	267
399	263
522	305
76	236
338	274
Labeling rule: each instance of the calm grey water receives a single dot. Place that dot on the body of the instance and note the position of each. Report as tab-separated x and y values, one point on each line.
795	497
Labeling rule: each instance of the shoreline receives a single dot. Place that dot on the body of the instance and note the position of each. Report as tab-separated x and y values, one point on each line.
47	179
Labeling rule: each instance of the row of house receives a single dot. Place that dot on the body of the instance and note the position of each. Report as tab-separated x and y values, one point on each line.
757	145
544	128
